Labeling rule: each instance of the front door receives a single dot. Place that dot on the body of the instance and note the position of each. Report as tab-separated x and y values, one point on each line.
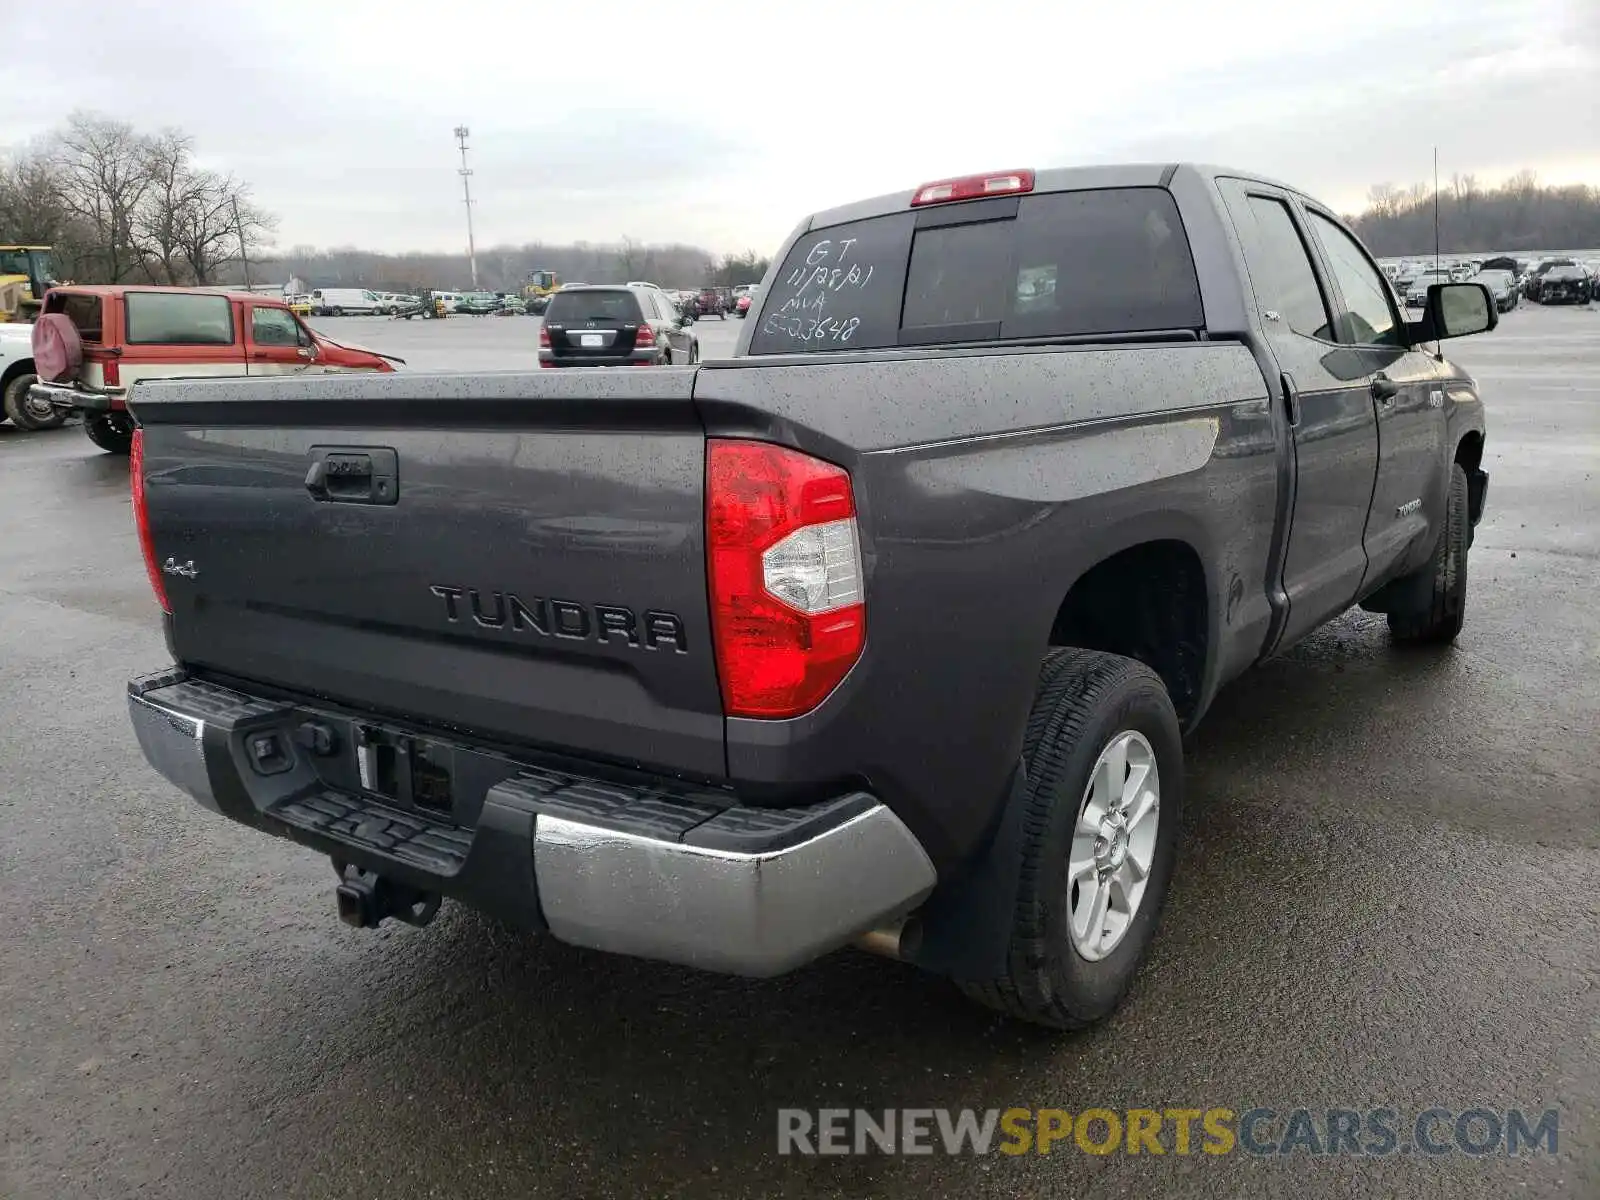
276	343
1412	491
1327	403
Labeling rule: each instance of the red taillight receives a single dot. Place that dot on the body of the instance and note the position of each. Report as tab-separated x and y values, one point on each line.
141	520
645	338
544	338
970	187
784	563
110	374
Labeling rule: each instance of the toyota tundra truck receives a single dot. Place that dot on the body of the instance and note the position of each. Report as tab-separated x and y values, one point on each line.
884	630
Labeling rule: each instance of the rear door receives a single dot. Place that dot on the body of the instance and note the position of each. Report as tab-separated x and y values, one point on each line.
1407	397
1325	390
593	326
180	335
276	343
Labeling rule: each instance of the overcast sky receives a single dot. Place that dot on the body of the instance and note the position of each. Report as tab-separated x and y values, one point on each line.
722	123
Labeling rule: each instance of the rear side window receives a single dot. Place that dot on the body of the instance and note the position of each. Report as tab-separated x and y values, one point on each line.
82	310
1060	264
1280	269
579	308
178	319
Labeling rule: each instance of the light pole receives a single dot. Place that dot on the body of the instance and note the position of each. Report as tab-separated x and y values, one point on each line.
466	192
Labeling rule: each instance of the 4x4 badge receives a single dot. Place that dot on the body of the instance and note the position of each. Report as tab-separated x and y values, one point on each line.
186	569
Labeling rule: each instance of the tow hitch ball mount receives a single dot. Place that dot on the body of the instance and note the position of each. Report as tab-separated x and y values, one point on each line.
365	898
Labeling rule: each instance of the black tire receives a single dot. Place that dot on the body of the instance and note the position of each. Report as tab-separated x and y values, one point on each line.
1085	699
1431	606
336	312
24	413
112	432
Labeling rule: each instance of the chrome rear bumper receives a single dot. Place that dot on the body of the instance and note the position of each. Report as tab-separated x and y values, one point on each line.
641	866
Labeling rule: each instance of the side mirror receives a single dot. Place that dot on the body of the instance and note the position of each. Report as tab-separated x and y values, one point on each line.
1455	310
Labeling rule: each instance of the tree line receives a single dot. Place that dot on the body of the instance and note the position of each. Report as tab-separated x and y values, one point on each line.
506	268
1517	215
121	206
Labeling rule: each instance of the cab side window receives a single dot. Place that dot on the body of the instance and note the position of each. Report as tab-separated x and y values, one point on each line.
1369	317
274	327
1280	269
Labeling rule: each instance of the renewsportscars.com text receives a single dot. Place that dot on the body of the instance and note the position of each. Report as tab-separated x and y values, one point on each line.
1371	1132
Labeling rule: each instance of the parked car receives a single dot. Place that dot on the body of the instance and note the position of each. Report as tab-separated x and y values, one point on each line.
338	302
17	377
1532	284
711	302
665	667
1564	285
91	345
1502	286
1417	293
477	304
615	326
751	296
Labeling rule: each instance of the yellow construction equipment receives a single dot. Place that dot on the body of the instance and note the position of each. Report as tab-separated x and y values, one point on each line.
25	273
540	287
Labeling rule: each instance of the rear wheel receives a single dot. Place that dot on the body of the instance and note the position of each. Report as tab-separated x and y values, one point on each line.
112	432
336	312
1102	800
26	412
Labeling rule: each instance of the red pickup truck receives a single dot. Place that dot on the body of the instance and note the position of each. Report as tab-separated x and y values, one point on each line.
92	344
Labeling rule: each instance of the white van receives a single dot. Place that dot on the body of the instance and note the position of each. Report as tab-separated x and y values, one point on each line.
336	302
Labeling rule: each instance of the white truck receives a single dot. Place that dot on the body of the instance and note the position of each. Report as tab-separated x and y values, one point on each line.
17	376
337	302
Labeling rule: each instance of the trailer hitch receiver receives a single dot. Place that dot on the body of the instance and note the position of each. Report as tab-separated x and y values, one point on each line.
366	898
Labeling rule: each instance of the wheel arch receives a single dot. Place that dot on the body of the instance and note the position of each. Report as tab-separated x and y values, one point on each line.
21	366
1149	600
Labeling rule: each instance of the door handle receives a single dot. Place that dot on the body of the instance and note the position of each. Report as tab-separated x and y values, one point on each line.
1384	389
353	475
261	354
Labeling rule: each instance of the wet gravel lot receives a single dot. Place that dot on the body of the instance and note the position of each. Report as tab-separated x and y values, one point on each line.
1387	897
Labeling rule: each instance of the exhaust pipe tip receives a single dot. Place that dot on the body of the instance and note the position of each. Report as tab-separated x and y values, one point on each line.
884	942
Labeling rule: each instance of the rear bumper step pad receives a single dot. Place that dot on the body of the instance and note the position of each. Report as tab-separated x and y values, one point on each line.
644	866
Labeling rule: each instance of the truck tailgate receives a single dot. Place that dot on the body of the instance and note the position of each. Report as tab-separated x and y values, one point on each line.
519	555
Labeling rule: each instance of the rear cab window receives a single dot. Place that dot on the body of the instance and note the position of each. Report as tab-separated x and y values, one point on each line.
83	309
1111	261
178	319
603	306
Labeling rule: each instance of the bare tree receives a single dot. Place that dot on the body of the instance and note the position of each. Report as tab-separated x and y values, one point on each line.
630	256
216	222
104	177
174	190
1383	199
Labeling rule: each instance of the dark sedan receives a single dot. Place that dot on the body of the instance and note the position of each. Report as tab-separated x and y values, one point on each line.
1565	285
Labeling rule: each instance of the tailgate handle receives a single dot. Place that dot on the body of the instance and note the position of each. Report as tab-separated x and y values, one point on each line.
353	475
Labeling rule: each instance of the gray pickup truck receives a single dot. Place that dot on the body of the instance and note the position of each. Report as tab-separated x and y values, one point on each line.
884	630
